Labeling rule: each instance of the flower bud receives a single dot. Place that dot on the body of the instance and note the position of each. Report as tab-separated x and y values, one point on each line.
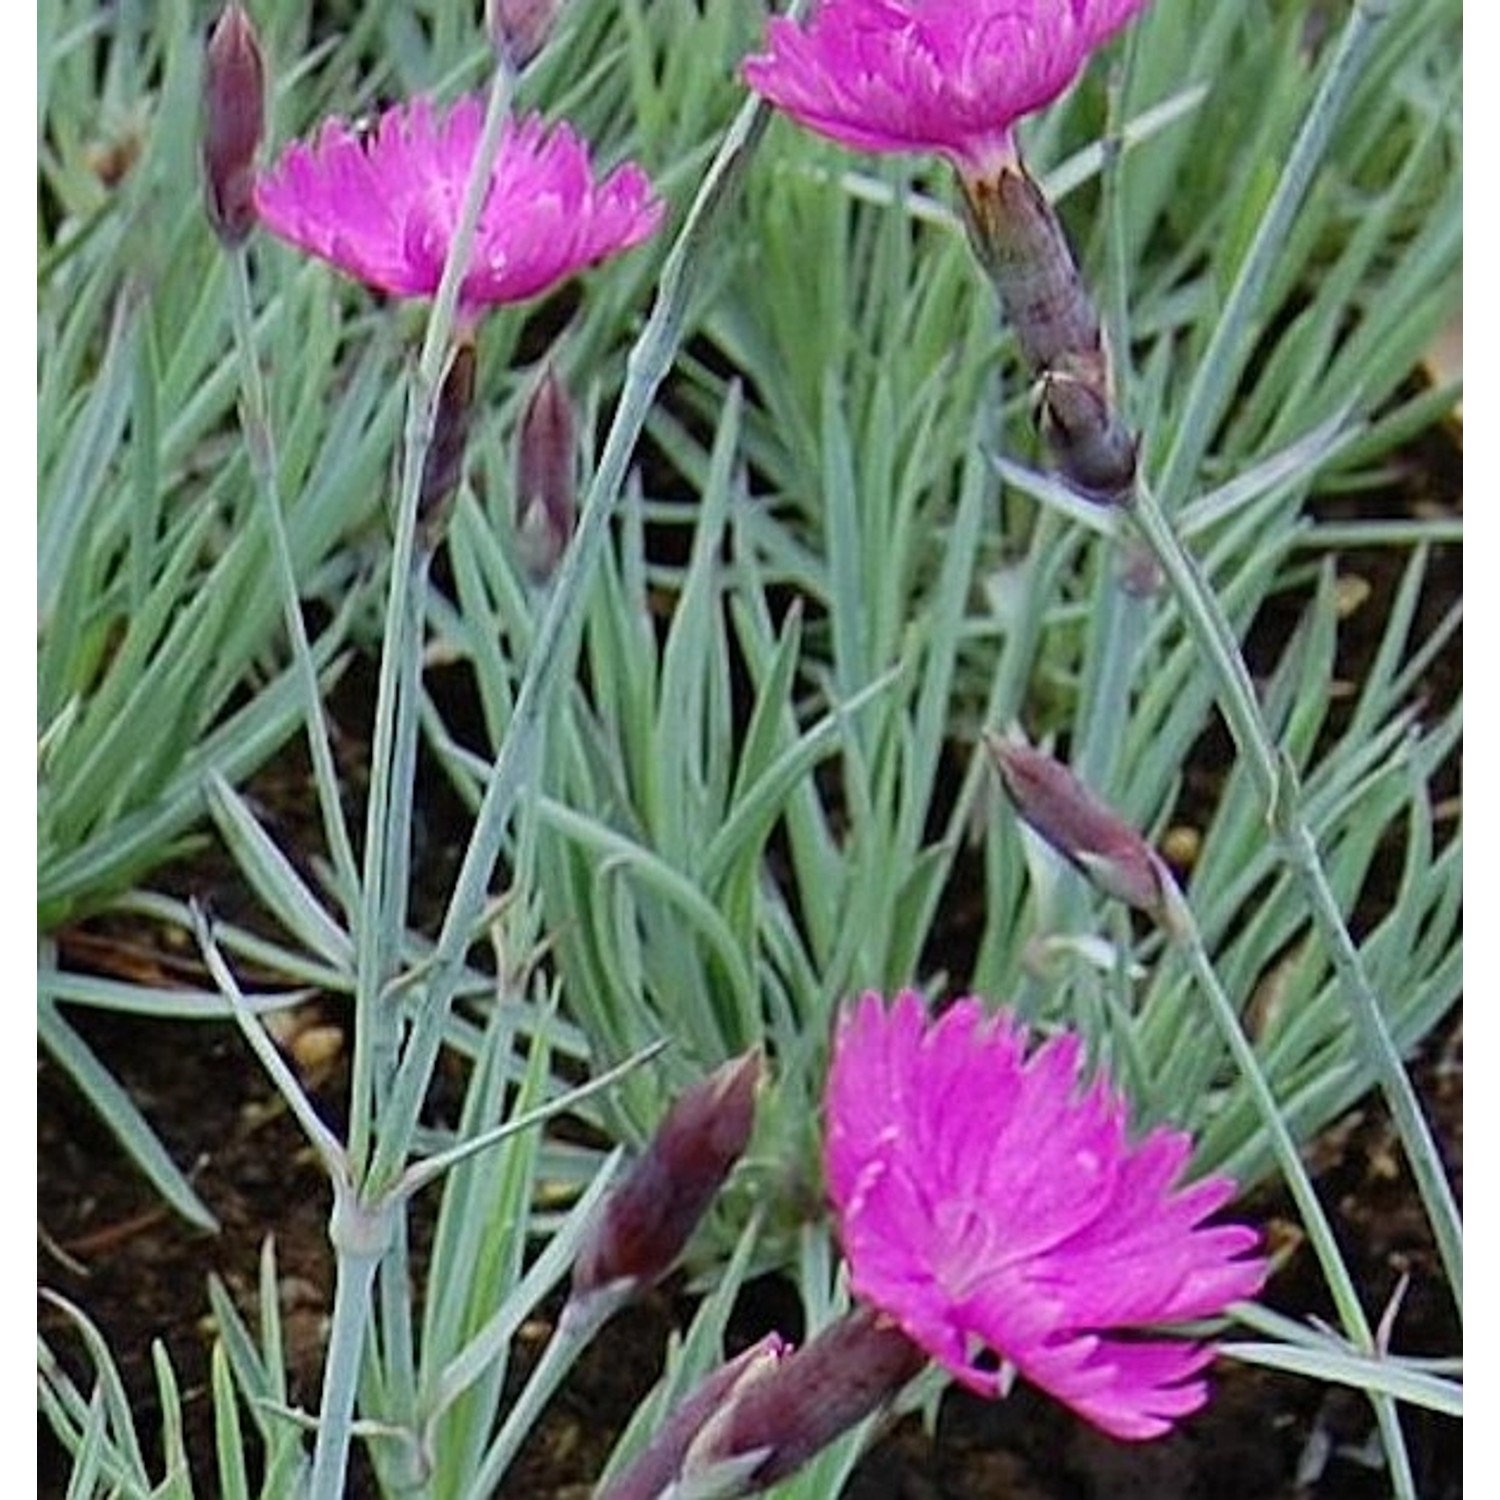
546	477
520	28
1021	245
234	120
661	1461
644	1224
799	1405
444	464
1111	853
1092	446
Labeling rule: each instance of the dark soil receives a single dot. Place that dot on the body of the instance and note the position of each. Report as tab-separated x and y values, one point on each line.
110	1246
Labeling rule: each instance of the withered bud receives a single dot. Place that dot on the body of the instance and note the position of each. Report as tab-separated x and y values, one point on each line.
661	1461
234	120
645	1223
1021	244
1092	446
444	465
1096	840
520	28
546	477
796	1407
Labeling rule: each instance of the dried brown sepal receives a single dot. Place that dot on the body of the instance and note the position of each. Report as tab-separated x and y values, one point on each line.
234	122
1092	446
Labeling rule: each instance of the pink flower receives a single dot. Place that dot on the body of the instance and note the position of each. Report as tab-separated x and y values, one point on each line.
384	207
951	76
994	1207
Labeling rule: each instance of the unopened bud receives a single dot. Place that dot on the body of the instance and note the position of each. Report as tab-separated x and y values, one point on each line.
1023	249
234	120
520	28
1096	840
801	1404
660	1463
546	477
645	1223
1092	446
444	465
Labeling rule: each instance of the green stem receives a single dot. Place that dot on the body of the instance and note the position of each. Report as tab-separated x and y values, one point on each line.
376	1027
551	654
360	1237
1184	930
1277	784
255	419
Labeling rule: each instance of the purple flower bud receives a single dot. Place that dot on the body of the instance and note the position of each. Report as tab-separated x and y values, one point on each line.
795	1408
546	477
1094	449
234	120
444	465
520	28
1111	853
661	1461
646	1221
1022	247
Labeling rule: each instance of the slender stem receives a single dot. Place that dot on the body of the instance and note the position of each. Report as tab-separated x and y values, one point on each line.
255	419
376	1028
1216	640
551	654
1184	930
363	1235
1277	783
1380	1048
356	1266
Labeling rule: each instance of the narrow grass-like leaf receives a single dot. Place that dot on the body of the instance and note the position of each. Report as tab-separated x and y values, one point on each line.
229	1442
118	1111
271	874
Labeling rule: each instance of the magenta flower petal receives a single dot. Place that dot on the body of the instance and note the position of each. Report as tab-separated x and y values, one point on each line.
384	208
951	76
994	1206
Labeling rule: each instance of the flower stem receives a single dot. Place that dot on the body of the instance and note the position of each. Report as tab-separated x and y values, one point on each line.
1277	782
1183	928
255	420
359	1237
551	653
387	823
